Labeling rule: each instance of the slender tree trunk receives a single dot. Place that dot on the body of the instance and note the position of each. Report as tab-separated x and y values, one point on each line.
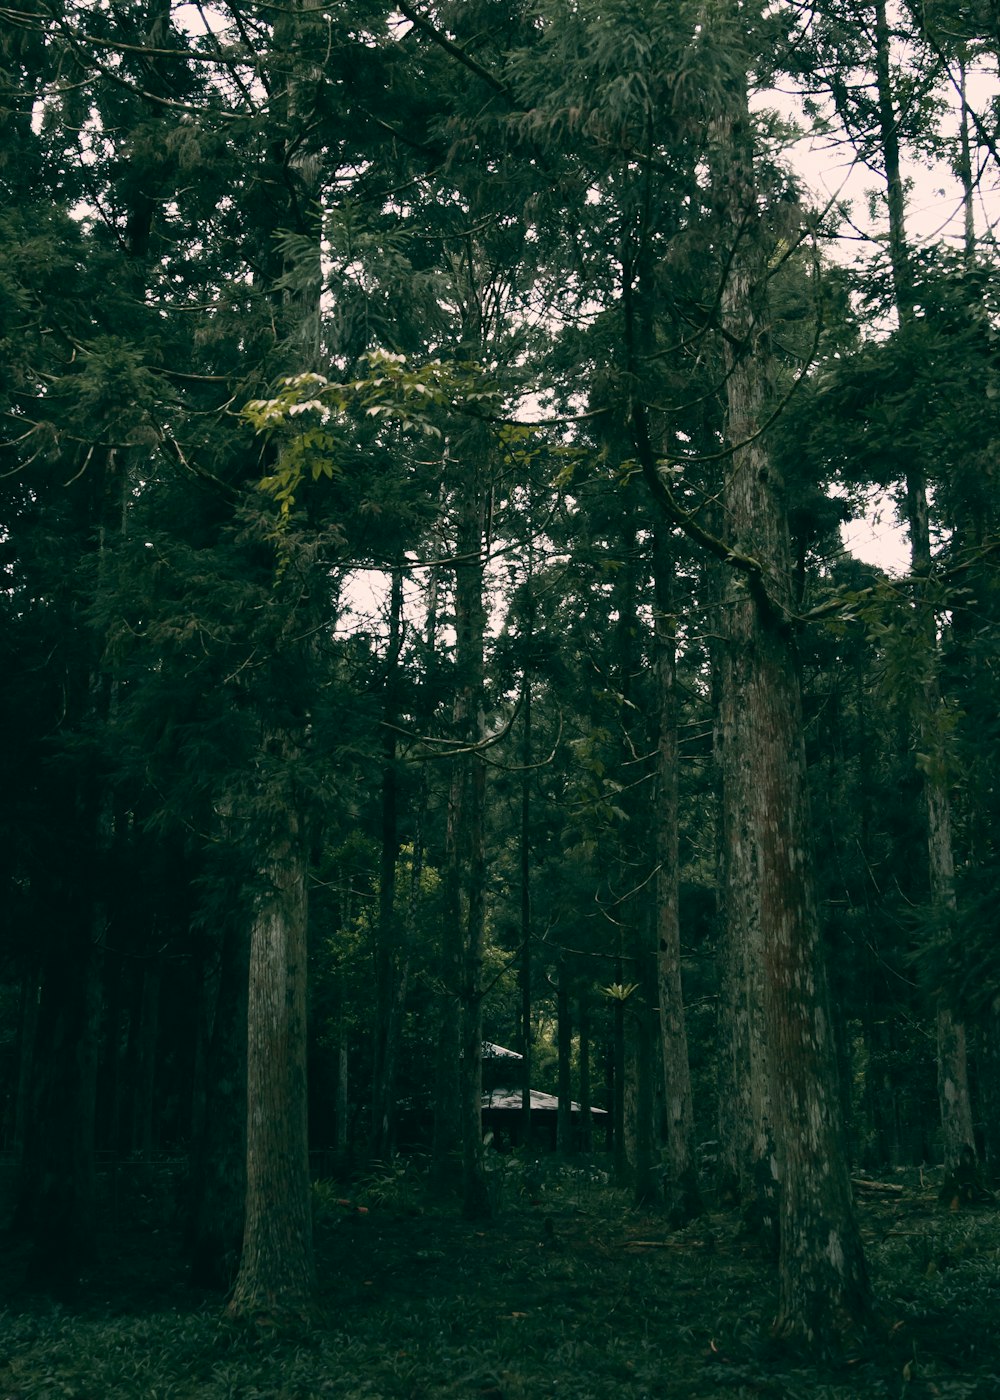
681	1183
642	1032
634	1151
466	836
952	1063
823	1280
524	969
342	1084
989	1091
564	1053
749	1166
391	961
276	1274
586	1097
618	1060
476	1203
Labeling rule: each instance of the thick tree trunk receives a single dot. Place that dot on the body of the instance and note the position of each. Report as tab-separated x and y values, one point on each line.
276	1274
824	1289
748	1165
681	1180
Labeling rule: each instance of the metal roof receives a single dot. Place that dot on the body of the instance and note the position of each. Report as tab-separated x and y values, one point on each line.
511	1099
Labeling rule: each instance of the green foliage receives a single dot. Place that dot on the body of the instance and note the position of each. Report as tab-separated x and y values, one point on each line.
412	398
578	1296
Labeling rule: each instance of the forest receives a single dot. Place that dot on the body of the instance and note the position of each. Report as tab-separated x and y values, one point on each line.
433	666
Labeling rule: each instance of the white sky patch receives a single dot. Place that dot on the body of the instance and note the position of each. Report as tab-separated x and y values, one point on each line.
198	19
934	206
935	212
879	538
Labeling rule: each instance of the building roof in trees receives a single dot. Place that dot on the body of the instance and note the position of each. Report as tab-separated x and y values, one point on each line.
511	1099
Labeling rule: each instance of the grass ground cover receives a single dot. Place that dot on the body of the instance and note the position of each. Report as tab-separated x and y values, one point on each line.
569	1293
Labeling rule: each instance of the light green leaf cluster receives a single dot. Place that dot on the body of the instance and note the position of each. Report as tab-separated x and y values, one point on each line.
313	419
620	991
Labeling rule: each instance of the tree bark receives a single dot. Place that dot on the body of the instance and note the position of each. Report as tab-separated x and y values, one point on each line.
276	1275
564	1052
681	1181
617	1065
586	1097
466	850
954	1098
824	1290
748	1164
391	962
342	1084
524	968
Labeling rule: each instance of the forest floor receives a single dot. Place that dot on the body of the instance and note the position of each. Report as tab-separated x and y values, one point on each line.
569	1292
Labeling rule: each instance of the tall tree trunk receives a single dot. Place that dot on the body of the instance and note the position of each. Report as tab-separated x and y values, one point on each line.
952	1062
447	1103
748	1164
617	1065
564	1055
476	1203
989	1091
277	1271
586	1097
391	962
524	968
823	1280
465	932
276	1274
681	1182
467	825
642	1032
342	1083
